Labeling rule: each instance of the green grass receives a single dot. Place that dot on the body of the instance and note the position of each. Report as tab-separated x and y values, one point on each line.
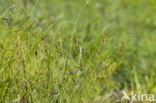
76	51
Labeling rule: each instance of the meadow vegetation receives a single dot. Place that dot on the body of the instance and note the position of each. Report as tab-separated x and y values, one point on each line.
76	51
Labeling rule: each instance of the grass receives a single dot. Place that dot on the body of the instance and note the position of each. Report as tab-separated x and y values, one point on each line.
57	51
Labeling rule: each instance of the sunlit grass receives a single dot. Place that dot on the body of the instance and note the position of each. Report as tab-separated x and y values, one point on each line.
58	51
